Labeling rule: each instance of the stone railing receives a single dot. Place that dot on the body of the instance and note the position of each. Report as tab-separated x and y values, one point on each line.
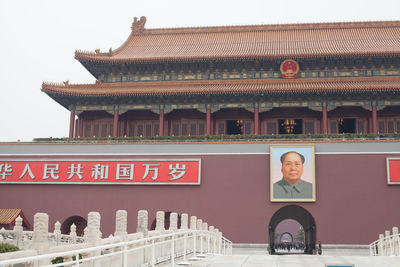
386	245
144	247
23	239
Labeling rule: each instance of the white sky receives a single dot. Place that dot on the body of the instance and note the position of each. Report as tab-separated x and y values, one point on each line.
38	40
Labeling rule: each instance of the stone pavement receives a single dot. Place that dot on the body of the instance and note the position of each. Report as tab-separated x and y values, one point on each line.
291	261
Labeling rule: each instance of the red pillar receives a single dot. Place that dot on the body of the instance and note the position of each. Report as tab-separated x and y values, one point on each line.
161	123
256	121
374	119
208	121
324	120
72	124
115	125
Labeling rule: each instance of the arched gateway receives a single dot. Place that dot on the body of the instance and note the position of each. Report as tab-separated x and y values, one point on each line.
302	216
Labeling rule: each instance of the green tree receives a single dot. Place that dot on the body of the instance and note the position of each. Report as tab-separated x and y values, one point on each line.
300	235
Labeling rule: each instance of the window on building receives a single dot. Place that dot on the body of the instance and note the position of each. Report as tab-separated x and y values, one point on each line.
347	125
290	126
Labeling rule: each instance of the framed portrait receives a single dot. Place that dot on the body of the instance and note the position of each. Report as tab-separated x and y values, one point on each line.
292	177
393	170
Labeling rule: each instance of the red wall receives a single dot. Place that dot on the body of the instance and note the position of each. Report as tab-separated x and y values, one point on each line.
354	203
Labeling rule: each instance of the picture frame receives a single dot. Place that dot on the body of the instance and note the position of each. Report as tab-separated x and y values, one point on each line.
393	170
292	173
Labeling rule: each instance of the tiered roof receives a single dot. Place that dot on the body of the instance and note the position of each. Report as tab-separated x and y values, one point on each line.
240	42
259	41
380	84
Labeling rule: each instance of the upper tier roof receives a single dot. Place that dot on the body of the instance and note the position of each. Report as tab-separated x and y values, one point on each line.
258	41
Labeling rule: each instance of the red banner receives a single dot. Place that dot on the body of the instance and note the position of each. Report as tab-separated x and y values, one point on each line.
154	171
393	170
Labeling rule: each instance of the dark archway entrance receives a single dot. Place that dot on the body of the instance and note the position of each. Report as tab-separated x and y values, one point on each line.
79	222
302	216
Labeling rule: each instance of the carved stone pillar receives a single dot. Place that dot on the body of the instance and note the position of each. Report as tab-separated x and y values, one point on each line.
72	233
72	123
115	124
184	221
92	231
18	229
193	222
142	222
173	221
199	225
57	232
121	222
40	240
161	123
160	218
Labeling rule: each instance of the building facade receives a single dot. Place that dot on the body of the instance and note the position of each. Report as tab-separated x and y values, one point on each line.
265	79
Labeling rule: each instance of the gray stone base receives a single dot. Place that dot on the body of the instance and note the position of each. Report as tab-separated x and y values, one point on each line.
328	249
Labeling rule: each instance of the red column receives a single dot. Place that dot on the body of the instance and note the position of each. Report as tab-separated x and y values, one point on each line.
72	124
80	127
374	119
161	123
324	119
208	121
115	125
256	121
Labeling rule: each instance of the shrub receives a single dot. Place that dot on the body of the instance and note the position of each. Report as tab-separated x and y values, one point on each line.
7	248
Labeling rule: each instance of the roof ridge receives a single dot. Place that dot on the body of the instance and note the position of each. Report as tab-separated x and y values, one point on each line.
273	27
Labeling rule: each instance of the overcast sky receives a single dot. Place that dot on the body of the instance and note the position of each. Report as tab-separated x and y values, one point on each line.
38	40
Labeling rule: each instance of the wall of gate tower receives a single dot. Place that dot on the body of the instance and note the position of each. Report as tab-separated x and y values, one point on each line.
353	200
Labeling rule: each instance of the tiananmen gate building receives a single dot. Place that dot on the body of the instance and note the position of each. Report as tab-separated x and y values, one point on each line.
260	80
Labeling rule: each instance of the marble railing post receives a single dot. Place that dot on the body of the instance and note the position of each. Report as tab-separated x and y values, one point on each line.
212	239
200	235
396	241
72	233
142	222
381	246
57	232
160	220
173	221
206	237
184	221
92	231
193	222
18	230
40	232
40	240
388	244
121	224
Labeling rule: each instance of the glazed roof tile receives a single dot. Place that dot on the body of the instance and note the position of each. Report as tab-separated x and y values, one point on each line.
7	216
225	86
258	41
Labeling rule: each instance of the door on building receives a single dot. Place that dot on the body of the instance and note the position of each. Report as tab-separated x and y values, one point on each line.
302	236
78	221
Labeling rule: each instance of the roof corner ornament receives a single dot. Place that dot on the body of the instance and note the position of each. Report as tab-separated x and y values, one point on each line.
110	52
66	83
98	82
138	25
97	51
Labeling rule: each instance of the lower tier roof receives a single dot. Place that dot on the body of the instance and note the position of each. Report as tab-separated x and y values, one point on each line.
309	86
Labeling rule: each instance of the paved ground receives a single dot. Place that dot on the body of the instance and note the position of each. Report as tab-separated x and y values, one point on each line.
292	261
